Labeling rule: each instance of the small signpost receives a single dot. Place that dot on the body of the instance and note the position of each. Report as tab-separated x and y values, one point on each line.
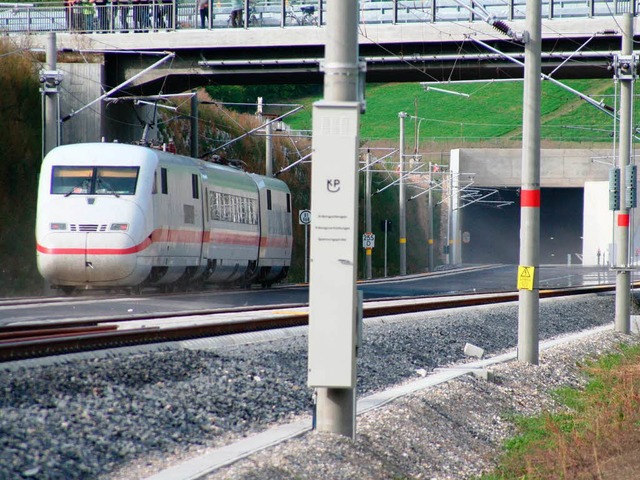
304	217
368	240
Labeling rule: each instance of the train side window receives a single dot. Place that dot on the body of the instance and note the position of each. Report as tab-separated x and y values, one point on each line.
154	187
268	199
194	186
288	203
163	180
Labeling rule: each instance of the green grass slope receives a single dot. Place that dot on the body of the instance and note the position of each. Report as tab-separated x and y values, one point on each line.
492	112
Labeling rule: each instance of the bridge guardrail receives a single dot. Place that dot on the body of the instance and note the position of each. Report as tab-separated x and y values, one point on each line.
106	16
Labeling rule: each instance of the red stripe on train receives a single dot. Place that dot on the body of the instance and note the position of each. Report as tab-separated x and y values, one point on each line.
94	251
275	242
176	236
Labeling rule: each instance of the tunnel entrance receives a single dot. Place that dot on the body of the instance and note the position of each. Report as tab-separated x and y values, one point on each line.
492	235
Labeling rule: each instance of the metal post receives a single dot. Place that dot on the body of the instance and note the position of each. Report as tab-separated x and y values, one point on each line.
623	274
386	234
367	213
194	126
402	223
306	253
334	193
431	227
450	221
51	97
529	299
268	157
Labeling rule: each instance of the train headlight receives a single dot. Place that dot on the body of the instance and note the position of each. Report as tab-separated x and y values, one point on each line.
57	226
119	227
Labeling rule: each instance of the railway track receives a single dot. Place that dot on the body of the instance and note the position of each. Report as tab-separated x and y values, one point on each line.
20	341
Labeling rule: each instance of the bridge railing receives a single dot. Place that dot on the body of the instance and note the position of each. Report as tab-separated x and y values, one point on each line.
84	16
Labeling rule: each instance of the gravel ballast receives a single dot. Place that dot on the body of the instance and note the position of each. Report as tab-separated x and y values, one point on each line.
127	416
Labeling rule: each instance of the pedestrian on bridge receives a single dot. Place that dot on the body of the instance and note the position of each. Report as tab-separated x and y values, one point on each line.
163	13
141	20
203	6
124	6
88	12
68	6
102	9
236	13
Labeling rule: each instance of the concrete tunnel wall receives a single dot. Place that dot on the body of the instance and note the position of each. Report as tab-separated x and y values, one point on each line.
562	173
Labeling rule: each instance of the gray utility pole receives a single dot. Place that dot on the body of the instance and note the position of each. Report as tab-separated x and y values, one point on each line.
402	200
625	72
367	213
268	157
450	229
431	229
50	79
333	299
194	126
529	295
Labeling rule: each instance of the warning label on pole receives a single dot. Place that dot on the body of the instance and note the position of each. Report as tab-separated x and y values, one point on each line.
525	277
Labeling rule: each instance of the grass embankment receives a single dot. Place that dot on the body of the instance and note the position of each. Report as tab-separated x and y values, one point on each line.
491	114
595	437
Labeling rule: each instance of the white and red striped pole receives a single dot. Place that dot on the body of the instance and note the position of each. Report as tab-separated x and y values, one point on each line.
625	74
529	296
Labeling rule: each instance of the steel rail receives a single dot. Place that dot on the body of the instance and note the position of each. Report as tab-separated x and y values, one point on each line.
23	343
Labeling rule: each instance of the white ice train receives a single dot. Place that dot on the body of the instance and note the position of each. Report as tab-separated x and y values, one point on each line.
112	215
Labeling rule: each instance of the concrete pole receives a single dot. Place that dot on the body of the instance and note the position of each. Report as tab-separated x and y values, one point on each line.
268	157
194	126
51	99
336	407
450	221
623	274
402	201
431	229
529	300
367	213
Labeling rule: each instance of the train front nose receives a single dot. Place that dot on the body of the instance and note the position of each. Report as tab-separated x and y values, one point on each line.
87	258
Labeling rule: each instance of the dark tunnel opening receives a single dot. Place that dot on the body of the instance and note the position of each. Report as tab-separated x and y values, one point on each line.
492	235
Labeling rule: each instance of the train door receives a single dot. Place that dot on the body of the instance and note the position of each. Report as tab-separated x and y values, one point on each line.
161	216
201	179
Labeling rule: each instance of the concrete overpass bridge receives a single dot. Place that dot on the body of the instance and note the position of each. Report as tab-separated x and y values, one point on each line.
400	41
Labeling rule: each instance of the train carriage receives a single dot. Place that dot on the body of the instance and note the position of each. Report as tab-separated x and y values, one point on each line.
115	215
276	239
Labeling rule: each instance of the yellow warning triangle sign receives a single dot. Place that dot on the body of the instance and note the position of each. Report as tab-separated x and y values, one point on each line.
525	277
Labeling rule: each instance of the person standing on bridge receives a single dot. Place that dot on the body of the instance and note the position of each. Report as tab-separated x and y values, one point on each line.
88	10
123	6
203	6
236	13
103	16
141	21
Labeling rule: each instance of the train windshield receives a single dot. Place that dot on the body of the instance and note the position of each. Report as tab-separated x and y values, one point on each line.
116	181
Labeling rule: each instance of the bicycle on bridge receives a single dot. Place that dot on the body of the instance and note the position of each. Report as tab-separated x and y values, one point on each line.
305	16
